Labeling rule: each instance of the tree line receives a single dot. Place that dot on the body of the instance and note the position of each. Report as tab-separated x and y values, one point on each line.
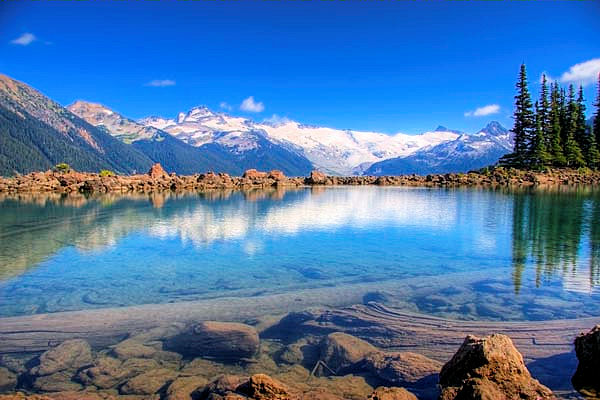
553	132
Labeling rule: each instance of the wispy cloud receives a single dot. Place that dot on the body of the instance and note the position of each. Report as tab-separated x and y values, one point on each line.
250	105
483	111
583	73
277	120
225	106
161	83
25	39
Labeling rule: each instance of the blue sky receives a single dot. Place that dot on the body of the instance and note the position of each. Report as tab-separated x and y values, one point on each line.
390	66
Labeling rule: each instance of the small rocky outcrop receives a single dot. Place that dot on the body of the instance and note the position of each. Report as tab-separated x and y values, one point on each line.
220	340
587	376
276	175
489	368
340	350
254	174
223	387
316	178
404	368
157	172
183	387
391	393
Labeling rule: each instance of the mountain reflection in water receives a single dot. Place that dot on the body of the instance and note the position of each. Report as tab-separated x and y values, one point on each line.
74	252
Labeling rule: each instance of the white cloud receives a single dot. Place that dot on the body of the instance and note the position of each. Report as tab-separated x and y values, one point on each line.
483	111
277	120
25	39
225	106
252	106
161	83
583	73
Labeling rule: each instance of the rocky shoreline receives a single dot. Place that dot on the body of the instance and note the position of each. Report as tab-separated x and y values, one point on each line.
157	180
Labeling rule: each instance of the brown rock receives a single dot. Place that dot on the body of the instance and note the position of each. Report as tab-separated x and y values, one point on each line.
339	350
149	382
489	368
222	340
587	376
130	348
57	382
157	172
220	388
263	387
316	178
69	355
391	393
104	374
276	175
23	396
183	387
254	174
404	368
8	380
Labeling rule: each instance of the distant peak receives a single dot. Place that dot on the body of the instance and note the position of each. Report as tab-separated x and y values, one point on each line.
495	128
441	128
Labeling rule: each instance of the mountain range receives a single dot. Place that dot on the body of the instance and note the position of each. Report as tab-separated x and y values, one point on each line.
37	133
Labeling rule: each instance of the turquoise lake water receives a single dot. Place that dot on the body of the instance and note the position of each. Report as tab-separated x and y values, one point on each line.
469	254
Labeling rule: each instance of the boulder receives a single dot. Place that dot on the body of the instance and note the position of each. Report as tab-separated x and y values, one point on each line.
183	387
489	368
391	393
130	348
68	356
13	364
57	382
104	374
23	396
254	174
227	341
587	376
157	172
316	178
276	175
149	382
263	387
222	387
339	350
404	368
8	380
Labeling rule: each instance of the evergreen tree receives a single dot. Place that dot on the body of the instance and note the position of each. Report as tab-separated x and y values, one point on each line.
573	152
524	126
554	137
543	111
539	156
564	116
581	131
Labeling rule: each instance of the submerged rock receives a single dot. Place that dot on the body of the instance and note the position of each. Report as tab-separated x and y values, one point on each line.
587	376
104	374
489	368
68	356
130	348
223	387
8	380
149	382
57	382
391	393
226	341
183	387
340	350
404	368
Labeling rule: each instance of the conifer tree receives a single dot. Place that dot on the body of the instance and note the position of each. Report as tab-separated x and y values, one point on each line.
573	154
524	125
539	156
543	111
596	124
555	148
581	132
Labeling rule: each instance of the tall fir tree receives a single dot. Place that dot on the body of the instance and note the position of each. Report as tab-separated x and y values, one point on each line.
564	116
524	126
581	132
539	156
573	153
543	111
555	147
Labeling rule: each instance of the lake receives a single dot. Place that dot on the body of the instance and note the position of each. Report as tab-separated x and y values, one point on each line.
470	254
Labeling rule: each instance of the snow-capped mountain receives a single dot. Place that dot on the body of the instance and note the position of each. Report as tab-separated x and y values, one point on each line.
466	152
340	152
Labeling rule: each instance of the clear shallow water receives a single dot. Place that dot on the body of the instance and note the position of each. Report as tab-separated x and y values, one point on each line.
470	254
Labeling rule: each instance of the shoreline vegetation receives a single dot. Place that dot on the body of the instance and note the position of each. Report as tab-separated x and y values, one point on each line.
64	180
